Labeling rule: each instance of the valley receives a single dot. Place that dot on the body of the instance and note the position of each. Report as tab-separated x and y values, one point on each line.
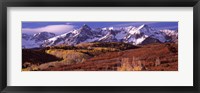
128	48
98	56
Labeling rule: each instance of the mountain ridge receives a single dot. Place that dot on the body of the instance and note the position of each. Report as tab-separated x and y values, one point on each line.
142	34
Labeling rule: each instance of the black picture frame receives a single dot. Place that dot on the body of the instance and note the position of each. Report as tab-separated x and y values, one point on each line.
100	3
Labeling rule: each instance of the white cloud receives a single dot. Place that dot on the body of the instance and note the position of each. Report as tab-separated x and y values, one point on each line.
57	29
69	23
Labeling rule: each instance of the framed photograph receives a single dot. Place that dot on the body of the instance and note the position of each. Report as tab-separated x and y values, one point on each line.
100	46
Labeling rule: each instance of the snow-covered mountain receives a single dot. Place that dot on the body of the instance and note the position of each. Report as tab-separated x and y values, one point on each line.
171	36
36	40
143	34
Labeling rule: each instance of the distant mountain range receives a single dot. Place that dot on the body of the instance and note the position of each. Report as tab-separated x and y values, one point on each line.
141	35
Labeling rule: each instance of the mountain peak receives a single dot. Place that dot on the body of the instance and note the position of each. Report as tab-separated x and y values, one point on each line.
85	27
143	26
42	36
85	30
131	34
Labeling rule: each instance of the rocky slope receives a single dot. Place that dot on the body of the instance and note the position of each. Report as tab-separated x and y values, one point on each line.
143	34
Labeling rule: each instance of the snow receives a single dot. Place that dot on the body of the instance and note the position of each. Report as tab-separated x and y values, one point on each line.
130	34
142	26
111	28
30	43
35	40
91	39
104	28
169	32
104	37
140	40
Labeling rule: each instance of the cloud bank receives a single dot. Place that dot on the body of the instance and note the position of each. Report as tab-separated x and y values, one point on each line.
57	29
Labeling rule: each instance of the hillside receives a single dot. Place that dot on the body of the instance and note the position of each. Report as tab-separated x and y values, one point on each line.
105	56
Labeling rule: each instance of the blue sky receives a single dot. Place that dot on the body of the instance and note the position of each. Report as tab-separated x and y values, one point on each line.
63	27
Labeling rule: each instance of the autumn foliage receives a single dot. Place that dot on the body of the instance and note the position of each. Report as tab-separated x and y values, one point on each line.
107	56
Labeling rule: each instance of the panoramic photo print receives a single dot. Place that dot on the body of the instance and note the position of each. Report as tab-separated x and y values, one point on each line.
99	46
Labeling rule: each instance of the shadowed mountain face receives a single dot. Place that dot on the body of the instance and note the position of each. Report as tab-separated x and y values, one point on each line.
143	34
31	56
39	37
149	40
36	40
131	48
